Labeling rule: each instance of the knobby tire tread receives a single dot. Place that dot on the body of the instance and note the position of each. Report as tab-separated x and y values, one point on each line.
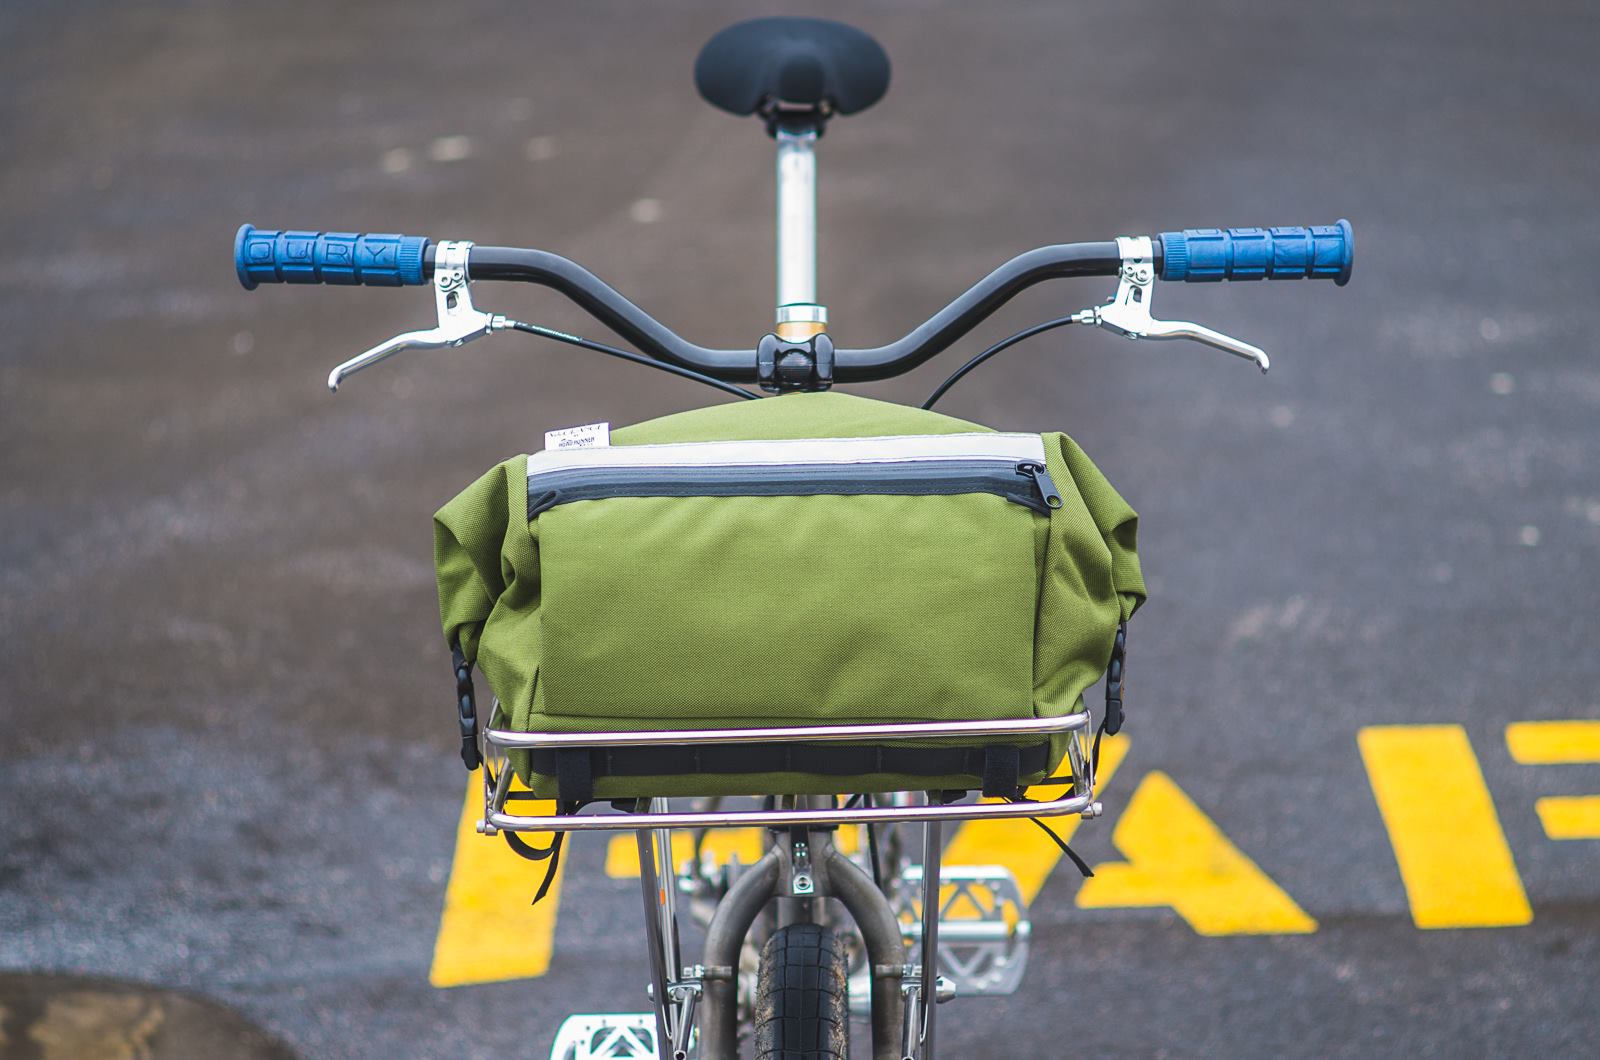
802	1009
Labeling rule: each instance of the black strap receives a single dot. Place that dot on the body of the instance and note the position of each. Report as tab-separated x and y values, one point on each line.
466	707
528	850
551	853
574	774
1002	771
824	759
1111	723
555	863
1082	865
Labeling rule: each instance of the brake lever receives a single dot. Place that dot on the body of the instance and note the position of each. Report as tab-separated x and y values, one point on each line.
1128	312
459	322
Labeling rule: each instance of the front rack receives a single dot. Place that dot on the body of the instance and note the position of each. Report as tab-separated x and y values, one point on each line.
494	744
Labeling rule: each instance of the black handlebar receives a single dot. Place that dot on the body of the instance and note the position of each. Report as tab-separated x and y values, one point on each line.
649	335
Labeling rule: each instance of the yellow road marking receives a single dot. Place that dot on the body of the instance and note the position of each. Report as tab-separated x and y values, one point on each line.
1017	845
1453	858
622	852
490	931
1570	816
1177	857
1543	743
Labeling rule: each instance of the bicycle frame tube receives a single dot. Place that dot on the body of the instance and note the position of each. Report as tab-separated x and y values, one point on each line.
886	954
719	1029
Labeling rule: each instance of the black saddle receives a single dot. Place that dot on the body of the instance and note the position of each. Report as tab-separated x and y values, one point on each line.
794	72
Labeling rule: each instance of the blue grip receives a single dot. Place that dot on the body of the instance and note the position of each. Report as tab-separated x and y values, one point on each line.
261	256
1198	255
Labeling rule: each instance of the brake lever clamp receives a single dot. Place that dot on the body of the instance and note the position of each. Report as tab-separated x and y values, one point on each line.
458	324
1128	312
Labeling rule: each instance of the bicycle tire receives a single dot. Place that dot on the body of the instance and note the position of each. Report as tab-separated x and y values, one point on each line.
802	1009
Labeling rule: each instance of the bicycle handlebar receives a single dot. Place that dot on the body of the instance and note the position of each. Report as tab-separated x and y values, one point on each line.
262	256
1199	255
607	305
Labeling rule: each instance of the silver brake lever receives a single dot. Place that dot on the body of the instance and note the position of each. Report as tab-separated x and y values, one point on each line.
1128	312
458	323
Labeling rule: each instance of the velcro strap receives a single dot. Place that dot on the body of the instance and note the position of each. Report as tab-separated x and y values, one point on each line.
574	774
1002	772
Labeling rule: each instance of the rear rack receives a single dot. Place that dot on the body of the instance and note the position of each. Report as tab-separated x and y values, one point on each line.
494	744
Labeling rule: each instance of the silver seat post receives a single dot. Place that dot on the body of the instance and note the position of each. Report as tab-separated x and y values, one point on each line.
799	317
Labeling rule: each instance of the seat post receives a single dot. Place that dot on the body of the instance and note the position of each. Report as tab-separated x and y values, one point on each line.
799	317
795	74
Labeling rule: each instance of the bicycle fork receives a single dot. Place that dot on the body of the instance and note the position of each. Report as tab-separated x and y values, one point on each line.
803	865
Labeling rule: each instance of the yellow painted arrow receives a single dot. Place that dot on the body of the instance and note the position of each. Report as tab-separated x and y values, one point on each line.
490	930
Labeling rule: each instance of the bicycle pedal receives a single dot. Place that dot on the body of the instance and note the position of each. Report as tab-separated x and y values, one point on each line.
607	1036
984	929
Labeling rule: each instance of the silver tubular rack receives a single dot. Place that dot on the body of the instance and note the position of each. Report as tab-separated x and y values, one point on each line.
496	743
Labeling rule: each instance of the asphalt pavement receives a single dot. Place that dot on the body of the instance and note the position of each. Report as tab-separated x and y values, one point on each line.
227	763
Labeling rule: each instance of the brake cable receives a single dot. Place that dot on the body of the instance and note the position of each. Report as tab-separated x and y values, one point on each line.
628	355
1003	344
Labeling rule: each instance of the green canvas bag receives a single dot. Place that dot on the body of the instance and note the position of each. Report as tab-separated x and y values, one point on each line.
808	559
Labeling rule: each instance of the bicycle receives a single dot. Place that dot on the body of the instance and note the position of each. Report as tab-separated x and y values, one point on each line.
792	993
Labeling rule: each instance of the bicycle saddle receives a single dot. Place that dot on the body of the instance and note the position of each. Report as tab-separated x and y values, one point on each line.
795	72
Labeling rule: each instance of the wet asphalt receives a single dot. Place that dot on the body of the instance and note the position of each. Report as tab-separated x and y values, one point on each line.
226	765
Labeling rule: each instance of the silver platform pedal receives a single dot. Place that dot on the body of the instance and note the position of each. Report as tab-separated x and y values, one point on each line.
984	929
1128	312
608	1036
984	933
458	323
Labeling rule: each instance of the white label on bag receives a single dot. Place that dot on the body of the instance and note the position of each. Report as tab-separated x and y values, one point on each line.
589	436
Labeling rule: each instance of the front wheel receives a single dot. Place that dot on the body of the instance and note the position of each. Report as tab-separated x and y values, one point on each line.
802	1007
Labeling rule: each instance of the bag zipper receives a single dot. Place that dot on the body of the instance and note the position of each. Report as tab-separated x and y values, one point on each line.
1042	481
945	465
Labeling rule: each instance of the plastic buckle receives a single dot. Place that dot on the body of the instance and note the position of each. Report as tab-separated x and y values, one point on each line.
1119	654
467	709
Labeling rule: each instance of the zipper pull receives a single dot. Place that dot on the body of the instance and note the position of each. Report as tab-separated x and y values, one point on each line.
1041	478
